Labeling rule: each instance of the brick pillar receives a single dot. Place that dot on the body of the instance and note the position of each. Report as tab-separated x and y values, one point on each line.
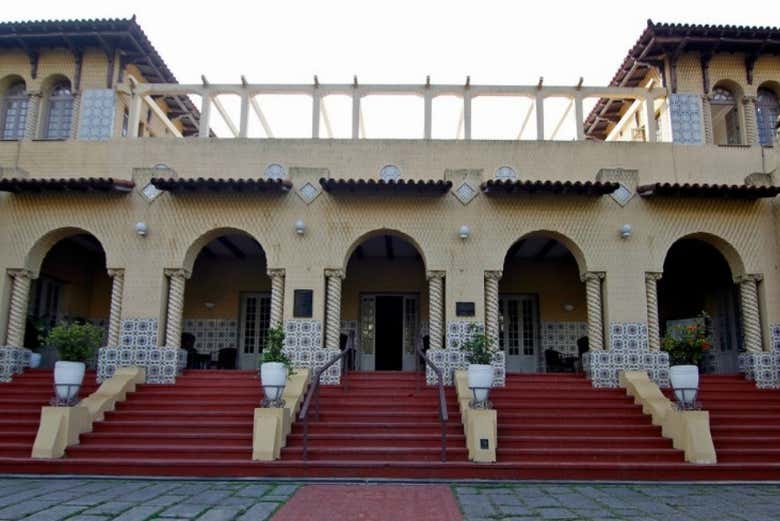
592	282
491	304
277	296
651	294
751	315
115	314
706	112
436	309
177	281
17	315
333	309
751	126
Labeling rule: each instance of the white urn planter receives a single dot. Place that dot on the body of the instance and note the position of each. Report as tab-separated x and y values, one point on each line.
684	378
273	374
35	360
66	376
480	376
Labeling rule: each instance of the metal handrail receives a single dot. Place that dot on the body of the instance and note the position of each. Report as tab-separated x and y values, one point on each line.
314	388
443	415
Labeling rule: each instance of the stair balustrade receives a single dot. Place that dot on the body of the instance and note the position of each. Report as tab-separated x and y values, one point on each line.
443	416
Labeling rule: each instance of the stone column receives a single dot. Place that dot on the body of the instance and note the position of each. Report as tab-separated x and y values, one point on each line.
751	315
177	281
333	309
115	315
31	119
491	304
651	294
751	126
17	316
592	282
75	113
277	296
435	309
706	113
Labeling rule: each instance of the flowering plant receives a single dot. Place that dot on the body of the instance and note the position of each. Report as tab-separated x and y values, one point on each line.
686	344
479	347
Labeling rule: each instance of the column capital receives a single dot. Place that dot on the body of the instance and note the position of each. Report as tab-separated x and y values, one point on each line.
748	100
177	272
21	273
592	275
276	272
494	274
653	275
116	272
34	93
334	273
748	277
435	274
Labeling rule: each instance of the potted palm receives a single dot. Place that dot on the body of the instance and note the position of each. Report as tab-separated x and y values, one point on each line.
686	345
75	343
274	365
479	349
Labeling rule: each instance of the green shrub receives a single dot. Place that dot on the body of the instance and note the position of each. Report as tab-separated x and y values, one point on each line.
479	348
75	342
274	345
686	344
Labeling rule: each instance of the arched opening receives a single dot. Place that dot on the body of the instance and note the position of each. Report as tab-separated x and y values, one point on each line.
385	302
542	309
227	303
698	287
72	286
58	108
726	121
13	112
767	112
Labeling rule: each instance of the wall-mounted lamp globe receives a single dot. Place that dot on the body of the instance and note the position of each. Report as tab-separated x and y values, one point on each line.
625	231
141	229
300	227
464	232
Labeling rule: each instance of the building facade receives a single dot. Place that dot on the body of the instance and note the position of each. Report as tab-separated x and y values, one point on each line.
122	206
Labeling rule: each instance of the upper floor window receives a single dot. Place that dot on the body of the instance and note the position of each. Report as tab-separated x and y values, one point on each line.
14	111
725	117
59	112
767	111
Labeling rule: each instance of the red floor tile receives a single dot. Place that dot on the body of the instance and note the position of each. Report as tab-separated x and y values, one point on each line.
371	503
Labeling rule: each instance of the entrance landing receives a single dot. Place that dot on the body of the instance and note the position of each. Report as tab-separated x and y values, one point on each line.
371	503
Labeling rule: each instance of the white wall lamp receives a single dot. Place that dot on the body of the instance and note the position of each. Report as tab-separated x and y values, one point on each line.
464	232
625	231
141	228
568	308
300	227
209	305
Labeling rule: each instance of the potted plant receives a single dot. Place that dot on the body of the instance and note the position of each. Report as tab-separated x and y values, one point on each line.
75	343
686	345
274	365
479	349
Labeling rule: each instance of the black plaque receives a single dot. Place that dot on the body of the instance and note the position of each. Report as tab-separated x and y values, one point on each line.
302	299
464	309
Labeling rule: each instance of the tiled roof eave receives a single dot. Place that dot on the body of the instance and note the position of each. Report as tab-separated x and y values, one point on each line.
509	186
703	190
69	184
222	185
399	186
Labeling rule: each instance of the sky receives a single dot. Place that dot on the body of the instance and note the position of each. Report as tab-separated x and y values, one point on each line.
399	41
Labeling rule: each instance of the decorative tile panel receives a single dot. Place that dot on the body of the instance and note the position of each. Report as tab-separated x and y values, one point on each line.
96	122
211	335
465	193
763	368
629	353
685	111
562	337
308	192
303	345
449	360
138	347
13	360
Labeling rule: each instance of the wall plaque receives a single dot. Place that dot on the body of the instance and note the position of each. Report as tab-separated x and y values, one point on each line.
302	303
464	309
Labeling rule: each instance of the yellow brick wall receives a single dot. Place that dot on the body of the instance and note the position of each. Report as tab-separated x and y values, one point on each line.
729	67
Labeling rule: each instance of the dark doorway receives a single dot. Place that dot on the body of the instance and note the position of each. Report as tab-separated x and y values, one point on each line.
389	333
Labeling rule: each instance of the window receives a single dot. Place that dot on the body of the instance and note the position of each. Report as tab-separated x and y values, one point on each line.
14	111
767	111
59	113
725	117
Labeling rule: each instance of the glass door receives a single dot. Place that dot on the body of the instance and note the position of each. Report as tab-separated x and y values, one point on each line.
255	319
518	332
411	321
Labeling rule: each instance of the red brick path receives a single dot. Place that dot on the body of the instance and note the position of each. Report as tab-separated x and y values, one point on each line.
371	503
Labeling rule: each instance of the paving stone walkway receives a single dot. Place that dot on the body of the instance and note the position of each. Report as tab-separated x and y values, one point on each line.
75	499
